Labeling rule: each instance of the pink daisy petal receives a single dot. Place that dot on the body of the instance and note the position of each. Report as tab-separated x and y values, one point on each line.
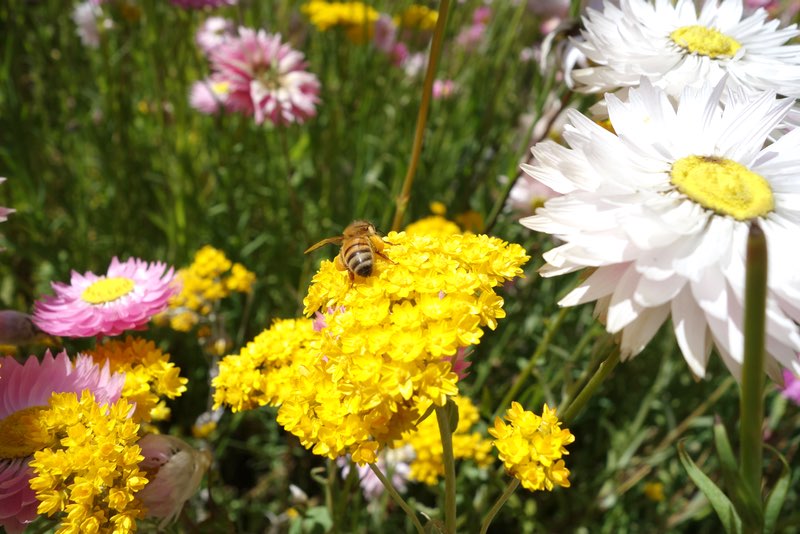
266	78
32	384
123	299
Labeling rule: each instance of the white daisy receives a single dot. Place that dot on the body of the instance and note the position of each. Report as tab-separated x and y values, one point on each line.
675	46
661	211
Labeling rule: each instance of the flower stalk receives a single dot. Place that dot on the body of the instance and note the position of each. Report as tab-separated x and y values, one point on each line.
501	501
591	387
448	459
397	498
751	402
422	116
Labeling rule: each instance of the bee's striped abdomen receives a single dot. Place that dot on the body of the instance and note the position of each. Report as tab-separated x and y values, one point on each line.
357	256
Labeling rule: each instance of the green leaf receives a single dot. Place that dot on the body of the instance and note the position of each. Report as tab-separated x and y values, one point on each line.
777	494
719	501
748	506
727	458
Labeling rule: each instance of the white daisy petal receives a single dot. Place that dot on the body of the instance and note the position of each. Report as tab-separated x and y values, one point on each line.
637	39
662	209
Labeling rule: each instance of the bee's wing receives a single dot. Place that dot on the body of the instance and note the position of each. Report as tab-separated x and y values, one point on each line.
337	239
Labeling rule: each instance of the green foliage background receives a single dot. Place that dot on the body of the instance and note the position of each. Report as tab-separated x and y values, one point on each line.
105	157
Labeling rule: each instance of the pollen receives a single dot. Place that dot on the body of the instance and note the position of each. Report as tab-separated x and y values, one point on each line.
705	42
107	290
723	186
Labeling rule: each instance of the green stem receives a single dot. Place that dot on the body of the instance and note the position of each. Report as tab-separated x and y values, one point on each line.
751	402
332	478
397	498
552	328
499	504
448	459
591	387
422	116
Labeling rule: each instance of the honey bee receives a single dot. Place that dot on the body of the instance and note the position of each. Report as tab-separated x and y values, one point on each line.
360	243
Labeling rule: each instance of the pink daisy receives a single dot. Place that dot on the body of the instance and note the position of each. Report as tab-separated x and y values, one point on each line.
24	388
267	77
125	298
208	96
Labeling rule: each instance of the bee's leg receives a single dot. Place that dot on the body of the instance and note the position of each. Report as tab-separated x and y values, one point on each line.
377	247
339	264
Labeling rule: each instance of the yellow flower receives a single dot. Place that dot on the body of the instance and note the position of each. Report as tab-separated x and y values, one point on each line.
210	278
433	225
531	447
378	353
427	464
357	18
654	491
417	17
385	348
148	375
90	472
260	374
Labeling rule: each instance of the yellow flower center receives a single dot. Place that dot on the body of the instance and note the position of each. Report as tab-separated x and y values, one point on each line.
21	433
705	41
107	290
724	186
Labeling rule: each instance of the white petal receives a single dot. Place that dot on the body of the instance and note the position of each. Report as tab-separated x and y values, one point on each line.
601	283
638	334
691	331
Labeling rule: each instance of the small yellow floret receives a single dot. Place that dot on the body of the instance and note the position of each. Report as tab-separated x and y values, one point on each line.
91	477
149	375
531	447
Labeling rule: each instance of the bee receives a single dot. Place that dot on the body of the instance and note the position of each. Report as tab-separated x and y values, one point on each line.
360	243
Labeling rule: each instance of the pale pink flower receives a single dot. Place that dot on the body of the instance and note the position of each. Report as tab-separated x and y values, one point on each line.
471	37
213	32
4	212
393	463
791	387
267	77
174	470
384	35
399	54
443	89
527	194
482	15
125	298
209	96
31	385
414	64
90	21
199	4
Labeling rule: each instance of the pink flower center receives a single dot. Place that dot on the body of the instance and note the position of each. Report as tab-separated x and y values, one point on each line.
22	435
107	290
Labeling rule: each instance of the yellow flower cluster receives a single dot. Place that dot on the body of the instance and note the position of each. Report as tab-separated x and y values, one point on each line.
357	18
388	340
264	370
210	278
91	470
531	447
148	375
435	225
417	17
427	465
